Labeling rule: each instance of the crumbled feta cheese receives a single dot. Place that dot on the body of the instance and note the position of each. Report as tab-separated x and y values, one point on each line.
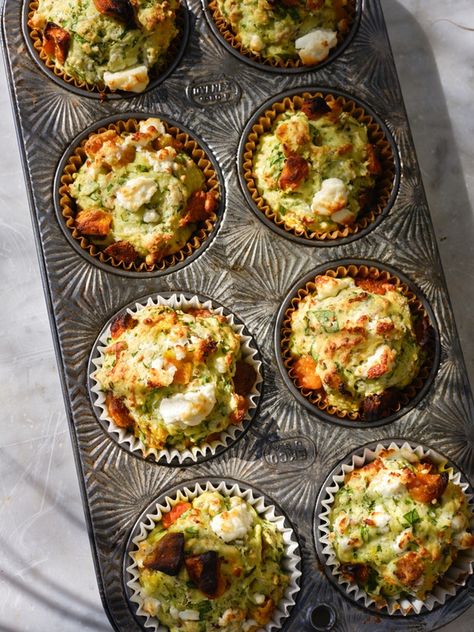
136	192
228	616
386	483
165	370
345	544
256	43
150	217
248	625
152	126
164	160
174	612
402	540
344	217
330	198
315	45
458	523
383	357
189	615
189	408
233	524
131	80
379	517
341	523
221	364
259	598
180	352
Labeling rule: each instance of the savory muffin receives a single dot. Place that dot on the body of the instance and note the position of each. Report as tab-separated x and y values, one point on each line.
397	524
107	42
139	196
212	563
174	378
316	167
356	342
303	30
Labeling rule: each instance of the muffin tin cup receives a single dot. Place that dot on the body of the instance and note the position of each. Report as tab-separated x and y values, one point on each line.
357	268
158	74
173	456
65	206
224	34
387	183
449	584
215	88
263	505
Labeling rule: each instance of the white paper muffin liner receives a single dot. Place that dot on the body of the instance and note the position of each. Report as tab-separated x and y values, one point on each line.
291	561
229	435
447	585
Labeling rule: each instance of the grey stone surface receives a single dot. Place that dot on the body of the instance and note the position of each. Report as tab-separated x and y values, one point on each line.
47	577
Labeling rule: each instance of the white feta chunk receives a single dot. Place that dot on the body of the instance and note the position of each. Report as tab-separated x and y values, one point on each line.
189	615
130	80
402	540
315	45
233	524
387	484
150	217
228	616
331	197
256	43
189	408
151	126
136	192
379	517
221	364
382	359
458	523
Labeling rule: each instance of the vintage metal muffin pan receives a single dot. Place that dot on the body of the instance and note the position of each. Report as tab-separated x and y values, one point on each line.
287	452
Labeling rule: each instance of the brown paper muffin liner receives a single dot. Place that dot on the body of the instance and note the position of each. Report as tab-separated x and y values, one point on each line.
456	576
383	186
36	37
68	205
225	29
318	399
291	561
207	448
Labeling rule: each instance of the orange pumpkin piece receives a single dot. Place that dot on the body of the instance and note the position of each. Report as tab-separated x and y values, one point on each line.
178	510
305	370
56	42
93	221
118	411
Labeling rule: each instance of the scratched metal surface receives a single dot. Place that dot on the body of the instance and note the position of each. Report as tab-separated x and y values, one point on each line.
287	453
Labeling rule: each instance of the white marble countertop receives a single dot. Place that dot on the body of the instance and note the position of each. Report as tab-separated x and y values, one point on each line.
46	570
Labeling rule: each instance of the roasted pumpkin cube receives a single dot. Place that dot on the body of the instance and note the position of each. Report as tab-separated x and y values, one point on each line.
168	555
118	411
56	42
93	221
